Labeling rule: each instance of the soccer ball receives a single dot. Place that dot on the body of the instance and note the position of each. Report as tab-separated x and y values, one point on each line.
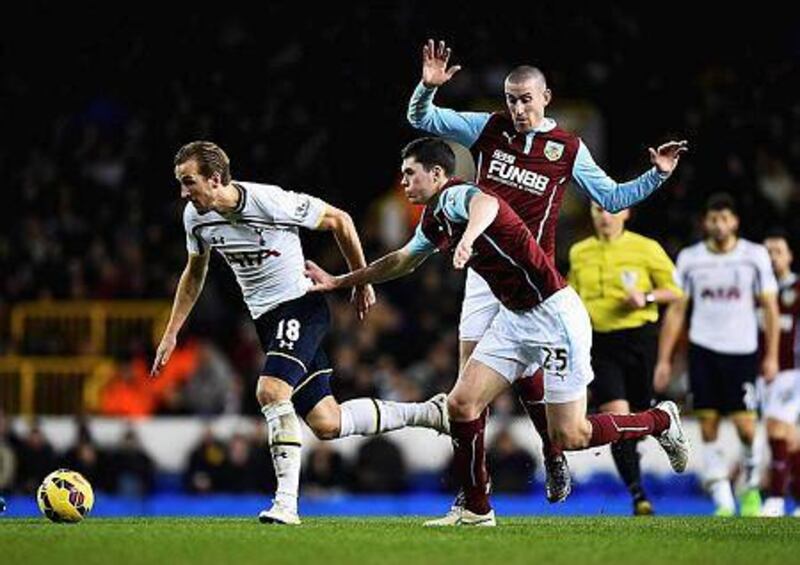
65	496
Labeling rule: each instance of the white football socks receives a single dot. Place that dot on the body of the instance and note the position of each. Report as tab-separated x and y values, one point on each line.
716	476
750	463
284	444
370	416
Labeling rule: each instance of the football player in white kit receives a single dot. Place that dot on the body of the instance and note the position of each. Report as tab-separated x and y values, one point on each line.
781	397
255	228
726	278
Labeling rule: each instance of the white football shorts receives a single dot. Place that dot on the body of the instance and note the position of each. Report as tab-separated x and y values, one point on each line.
555	335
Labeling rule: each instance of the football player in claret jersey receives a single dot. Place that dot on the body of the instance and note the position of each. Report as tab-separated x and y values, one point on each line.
541	321
255	228
527	160
726	278
782	396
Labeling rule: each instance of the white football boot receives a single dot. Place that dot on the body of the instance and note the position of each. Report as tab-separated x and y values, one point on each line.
460	516
279	514
673	440
774	507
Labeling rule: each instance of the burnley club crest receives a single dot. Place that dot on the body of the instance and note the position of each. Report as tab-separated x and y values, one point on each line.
553	150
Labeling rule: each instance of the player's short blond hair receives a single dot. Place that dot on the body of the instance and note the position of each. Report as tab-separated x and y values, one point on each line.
525	72
210	159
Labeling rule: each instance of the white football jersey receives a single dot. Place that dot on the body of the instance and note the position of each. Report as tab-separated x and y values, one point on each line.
260	241
723	289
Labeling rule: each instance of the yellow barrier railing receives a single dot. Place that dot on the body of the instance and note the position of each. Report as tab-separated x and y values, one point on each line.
86	327
71	346
53	385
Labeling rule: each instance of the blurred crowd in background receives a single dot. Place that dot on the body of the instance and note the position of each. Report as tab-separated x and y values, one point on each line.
239	464
93	210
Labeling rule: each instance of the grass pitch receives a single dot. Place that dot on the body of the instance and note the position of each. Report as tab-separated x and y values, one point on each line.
401	541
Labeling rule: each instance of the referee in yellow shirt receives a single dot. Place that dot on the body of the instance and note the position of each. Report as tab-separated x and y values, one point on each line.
622	277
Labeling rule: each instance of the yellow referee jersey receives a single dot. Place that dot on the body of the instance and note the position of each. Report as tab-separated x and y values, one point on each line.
603	272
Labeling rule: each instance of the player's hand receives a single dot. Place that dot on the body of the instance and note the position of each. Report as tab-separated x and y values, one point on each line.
322	279
462	254
163	353
635	300
769	368
666	157
363	299
662	376
434	64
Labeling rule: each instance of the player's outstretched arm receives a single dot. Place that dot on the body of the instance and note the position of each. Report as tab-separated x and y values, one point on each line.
482	212
391	266
189	288
670	330
344	230
665	158
614	196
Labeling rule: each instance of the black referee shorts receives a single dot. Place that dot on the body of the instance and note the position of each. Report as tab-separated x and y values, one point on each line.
623	362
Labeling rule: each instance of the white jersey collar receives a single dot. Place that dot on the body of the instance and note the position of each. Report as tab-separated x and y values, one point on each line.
548	124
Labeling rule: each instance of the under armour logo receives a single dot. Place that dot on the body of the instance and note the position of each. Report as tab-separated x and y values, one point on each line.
286	344
260	233
282	454
217	240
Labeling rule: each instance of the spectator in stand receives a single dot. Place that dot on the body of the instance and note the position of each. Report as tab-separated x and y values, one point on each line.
325	472
88	459
133	469
512	467
379	467
206	463
36	460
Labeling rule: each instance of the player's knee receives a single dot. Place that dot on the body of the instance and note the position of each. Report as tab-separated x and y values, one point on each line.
462	409
270	390
777	429
326	427
325	420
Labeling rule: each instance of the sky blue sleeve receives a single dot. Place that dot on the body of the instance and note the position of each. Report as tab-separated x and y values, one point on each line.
462	127
419	244
607	192
455	201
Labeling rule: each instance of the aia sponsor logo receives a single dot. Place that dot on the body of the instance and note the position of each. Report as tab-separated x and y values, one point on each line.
721	294
250	258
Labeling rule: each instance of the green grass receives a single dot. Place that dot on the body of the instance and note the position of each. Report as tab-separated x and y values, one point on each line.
361	541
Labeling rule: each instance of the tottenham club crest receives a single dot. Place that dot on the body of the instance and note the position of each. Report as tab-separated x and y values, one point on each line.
553	150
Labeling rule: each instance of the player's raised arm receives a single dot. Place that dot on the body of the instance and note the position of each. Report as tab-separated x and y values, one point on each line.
189	288
344	230
435	58
614	196
463	127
